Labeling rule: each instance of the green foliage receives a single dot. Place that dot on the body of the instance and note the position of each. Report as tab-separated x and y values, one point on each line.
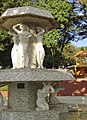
4	88
82	48
50	39
5	41
5	49
69	54
13	3
48	63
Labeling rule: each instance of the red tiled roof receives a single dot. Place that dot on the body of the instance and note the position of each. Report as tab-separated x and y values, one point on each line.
81	53
73	88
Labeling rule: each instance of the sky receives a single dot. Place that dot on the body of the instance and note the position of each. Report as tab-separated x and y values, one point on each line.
80	43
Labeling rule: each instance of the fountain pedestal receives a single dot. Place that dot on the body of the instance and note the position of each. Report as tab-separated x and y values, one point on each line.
22	93
33	115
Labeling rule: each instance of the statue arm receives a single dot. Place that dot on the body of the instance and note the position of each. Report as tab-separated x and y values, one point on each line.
30	35
58	89
15	28
41	30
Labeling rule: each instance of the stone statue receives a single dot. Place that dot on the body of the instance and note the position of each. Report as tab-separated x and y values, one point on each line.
1	101
15	52
28	47
53	99
40	53
32	47
41	102
22	31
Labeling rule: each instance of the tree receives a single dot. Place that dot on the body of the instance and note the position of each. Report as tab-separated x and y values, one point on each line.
80	19
83	2
81	48
80	22
69	54
5	49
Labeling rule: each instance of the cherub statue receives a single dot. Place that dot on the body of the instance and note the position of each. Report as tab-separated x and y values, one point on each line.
41	102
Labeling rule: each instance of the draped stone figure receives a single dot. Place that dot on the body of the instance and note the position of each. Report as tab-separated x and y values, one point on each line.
28	50
40	52
22	31
15	52
32	47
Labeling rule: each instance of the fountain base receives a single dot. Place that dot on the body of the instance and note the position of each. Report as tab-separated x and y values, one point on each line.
32	115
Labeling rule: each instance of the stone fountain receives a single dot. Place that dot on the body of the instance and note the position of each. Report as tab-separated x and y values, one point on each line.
29	84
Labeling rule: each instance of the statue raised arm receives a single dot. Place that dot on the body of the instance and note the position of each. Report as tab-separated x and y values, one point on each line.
15	28
40	31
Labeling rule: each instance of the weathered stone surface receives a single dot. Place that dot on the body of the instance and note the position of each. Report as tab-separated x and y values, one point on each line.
81	100
32	52
27	10
33	115
27	74
23	98
27	15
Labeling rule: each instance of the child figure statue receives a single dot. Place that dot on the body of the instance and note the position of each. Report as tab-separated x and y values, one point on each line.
41	102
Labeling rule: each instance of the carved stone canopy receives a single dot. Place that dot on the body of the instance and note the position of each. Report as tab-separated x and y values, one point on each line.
27	15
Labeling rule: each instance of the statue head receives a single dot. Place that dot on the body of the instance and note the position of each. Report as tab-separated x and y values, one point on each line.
38	29
32	31
48	88
24	27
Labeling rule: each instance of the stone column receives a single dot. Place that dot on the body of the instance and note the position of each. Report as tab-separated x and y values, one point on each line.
22	95
32	52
